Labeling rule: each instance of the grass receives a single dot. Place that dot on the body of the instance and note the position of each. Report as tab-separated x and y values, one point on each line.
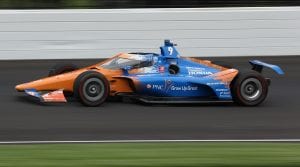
208	154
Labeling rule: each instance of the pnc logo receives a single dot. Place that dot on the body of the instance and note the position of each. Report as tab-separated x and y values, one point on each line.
148	86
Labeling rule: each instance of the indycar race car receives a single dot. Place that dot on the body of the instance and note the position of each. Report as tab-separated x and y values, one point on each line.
153	78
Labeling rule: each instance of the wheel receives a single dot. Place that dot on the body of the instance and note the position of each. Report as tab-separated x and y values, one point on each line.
249	88
61	68
92	88
222	63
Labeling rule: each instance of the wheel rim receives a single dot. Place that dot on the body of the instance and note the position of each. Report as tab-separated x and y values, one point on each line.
93	89
251	89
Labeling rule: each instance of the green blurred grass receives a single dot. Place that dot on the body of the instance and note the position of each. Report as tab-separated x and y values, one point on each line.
209	154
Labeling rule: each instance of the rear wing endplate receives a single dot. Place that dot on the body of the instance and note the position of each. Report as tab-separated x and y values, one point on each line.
259	65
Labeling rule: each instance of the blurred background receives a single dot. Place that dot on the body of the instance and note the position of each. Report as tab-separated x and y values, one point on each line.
109	4
102	28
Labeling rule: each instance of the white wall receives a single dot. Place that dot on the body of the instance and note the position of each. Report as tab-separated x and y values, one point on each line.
55	34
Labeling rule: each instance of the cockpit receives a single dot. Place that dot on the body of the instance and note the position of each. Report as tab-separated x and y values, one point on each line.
134	60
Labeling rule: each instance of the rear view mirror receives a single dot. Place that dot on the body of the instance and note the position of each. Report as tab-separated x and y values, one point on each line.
125	69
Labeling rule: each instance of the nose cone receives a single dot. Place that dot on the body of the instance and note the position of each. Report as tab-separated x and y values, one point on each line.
20	87
29	85
63	81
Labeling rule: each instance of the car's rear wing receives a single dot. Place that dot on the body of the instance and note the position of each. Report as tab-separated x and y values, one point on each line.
259	65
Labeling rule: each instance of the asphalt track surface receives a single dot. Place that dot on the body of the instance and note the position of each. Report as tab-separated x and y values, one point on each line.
21	119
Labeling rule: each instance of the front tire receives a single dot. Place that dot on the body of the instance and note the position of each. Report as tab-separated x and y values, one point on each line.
92	88
249	88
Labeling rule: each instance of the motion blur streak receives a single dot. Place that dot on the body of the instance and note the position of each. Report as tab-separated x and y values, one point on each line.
83	33
146	141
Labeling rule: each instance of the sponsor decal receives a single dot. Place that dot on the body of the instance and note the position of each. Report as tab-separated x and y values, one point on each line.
198	71
223	92
161	69
157	87
184	88
148	70
168	86
215	83
56	96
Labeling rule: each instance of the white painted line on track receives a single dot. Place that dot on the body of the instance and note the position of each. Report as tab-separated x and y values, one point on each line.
144	141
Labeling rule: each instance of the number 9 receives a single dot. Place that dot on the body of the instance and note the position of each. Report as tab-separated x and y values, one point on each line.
170	49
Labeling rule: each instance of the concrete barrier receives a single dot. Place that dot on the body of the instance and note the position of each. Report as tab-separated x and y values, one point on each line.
201	32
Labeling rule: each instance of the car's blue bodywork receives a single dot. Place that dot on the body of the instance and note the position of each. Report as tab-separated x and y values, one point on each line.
191	79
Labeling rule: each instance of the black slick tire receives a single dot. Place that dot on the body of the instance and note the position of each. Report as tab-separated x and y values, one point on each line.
92	88
249	88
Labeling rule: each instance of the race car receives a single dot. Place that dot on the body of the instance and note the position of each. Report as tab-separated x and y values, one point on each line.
154	78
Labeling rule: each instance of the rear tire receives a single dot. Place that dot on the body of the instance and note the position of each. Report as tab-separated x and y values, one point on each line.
61	68
92	88
249	88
